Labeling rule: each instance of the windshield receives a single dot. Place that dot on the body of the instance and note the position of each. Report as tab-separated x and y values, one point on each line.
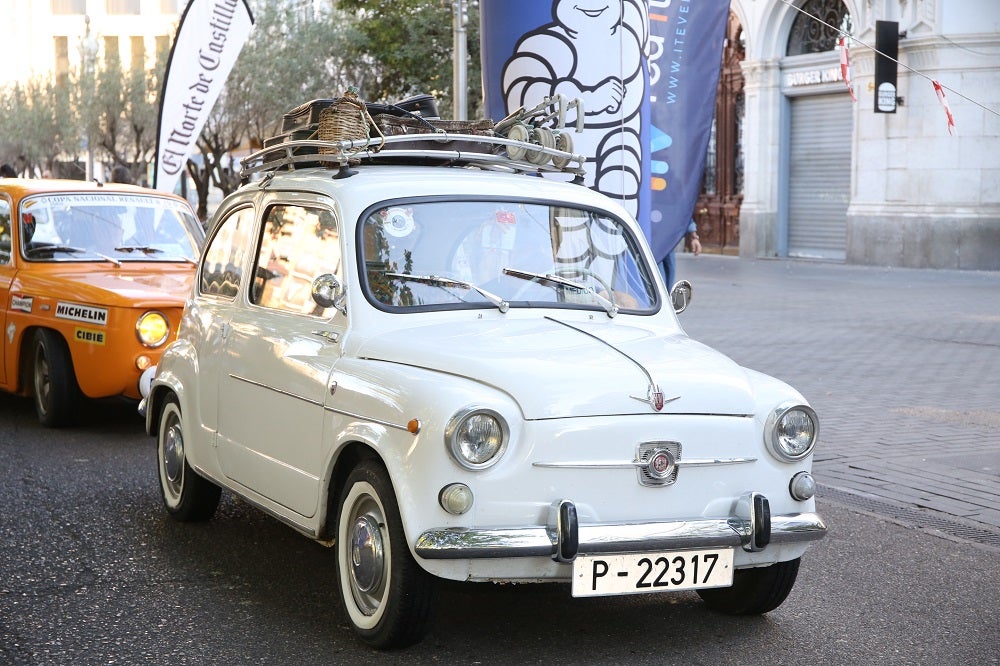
108	227
504	254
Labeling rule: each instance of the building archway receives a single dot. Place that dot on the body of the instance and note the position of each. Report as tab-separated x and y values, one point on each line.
817	190
717	210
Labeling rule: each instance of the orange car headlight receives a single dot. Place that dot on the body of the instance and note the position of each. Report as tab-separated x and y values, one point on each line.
152	329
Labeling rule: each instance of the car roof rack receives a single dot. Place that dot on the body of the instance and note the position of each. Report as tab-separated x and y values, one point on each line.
438	149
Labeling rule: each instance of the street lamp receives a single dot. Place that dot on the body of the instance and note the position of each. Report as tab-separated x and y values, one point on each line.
459	82
88	50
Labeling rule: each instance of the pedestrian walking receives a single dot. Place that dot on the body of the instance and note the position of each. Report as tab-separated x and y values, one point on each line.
668	267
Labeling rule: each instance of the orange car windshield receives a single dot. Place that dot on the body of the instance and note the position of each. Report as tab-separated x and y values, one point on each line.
99	227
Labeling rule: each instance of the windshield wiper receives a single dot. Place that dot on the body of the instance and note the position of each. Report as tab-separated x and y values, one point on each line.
145	249
41	249
149	249
609	306
440	281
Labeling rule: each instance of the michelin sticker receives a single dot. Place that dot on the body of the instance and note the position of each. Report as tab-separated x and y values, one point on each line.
84	313
21	303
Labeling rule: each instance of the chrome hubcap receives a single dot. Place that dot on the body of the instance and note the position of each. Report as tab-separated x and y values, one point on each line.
367	563
173	455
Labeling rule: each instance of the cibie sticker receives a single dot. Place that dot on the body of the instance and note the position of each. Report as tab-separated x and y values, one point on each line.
89	335
22	303
85	313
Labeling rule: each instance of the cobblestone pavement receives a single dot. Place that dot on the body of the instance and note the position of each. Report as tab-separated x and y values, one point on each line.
902	365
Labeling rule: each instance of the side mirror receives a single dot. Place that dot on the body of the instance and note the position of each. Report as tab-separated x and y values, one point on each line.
681	295
328	292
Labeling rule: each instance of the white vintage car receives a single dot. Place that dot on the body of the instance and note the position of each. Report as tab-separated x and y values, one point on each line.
444	367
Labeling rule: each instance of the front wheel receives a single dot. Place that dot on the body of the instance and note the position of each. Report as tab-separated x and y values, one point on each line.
187	496
754	591
385	594
53	380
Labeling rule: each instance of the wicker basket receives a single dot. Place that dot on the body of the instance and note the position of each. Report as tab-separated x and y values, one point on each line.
346	119
393	125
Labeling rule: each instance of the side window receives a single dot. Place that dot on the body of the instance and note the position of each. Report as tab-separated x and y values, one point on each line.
5	232
222	269
298	244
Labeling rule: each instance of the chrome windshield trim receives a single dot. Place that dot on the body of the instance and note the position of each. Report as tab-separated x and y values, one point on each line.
631	464
450	543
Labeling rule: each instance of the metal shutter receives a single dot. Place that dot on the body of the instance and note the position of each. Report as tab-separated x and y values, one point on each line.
819	186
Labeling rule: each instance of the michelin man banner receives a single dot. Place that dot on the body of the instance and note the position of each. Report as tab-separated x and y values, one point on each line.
646	72
210	36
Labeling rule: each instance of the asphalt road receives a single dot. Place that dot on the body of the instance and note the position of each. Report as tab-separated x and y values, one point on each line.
94	572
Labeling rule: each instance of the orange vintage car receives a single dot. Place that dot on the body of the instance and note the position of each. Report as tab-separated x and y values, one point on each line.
93	279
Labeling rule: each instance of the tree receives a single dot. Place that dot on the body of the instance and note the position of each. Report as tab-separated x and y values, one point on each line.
140	94
409	44
36	124
292	56
106	119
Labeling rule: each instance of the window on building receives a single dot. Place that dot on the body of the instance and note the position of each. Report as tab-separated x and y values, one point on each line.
138	52
61	48
111	52
122	6
818	26
162	48
69	6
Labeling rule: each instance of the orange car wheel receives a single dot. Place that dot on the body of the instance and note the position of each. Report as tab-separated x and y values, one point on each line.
53	380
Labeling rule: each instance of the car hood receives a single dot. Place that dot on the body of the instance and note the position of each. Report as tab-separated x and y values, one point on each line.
555	370
168	286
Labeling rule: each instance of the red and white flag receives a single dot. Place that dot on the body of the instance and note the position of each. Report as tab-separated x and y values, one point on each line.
845	67
944	102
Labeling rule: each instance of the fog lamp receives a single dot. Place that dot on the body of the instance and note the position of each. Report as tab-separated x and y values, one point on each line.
802	486
456	498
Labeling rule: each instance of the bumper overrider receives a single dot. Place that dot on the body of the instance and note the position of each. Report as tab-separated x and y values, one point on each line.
752	527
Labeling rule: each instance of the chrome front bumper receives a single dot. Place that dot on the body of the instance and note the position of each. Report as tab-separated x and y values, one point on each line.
752	527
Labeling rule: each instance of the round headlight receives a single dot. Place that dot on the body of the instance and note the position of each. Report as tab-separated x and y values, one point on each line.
152	329
476	438
791	431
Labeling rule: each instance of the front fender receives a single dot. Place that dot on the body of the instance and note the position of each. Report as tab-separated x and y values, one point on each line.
363	411
177	367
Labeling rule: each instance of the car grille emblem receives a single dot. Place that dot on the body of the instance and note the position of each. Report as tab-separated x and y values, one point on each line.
656	463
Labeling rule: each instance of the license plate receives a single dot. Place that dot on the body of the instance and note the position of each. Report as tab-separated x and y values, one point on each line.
642	573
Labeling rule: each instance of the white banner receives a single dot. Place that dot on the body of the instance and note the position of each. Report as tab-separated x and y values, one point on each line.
209	39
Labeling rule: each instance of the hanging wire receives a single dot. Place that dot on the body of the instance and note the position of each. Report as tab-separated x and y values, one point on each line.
903	65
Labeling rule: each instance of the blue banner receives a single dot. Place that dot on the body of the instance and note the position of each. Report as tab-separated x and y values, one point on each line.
685	58
643	70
